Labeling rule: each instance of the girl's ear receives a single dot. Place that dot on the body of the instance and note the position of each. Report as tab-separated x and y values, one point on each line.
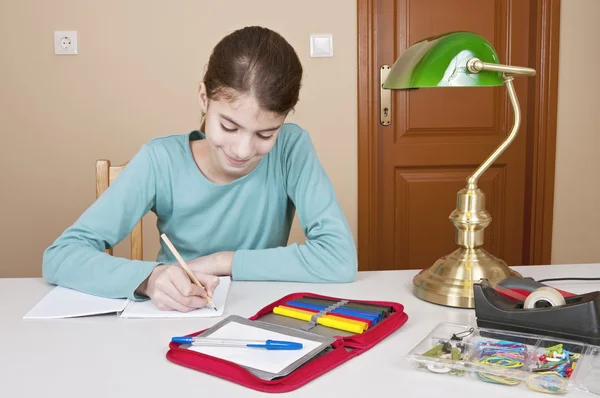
203	97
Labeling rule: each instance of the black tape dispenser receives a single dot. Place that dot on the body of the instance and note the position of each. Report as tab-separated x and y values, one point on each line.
544	311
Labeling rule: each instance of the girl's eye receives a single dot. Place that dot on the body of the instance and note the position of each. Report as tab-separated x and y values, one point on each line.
226	129
265	137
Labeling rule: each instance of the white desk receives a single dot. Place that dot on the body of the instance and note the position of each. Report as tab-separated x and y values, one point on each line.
106	356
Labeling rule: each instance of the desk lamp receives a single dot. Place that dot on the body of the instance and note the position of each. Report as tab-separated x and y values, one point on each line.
460	59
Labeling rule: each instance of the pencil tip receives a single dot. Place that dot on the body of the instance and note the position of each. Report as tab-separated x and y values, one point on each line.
215	308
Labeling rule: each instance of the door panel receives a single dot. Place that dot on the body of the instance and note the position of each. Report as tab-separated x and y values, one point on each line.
414	189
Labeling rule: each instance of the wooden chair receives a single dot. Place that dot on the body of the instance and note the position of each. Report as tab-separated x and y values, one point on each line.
105	175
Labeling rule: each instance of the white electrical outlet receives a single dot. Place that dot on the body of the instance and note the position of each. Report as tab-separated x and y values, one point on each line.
65	42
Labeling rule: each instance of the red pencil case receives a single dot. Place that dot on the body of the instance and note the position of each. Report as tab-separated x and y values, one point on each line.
342	349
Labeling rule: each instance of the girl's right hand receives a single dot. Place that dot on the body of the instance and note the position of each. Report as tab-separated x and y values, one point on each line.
169	288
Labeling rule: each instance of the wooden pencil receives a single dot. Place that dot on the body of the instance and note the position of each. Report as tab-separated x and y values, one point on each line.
187	270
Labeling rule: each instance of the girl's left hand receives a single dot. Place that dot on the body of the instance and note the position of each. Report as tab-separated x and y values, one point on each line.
218	264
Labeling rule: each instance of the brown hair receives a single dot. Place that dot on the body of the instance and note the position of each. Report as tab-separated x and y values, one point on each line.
256	61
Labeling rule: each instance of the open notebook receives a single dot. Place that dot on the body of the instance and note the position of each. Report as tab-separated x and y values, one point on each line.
61	302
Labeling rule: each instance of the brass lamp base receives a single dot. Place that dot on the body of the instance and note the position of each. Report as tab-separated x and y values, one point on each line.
449	281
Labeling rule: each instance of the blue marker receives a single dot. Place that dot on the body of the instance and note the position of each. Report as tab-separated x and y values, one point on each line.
214	342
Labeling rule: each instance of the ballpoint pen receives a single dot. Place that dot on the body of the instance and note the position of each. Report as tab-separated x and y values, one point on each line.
214	342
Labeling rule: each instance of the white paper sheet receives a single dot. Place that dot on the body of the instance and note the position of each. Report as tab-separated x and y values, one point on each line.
61	302
145	309
273	361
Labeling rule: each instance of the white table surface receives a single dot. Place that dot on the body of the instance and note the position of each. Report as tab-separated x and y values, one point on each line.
107	356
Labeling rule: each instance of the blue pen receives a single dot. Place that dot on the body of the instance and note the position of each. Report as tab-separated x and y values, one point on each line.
214	342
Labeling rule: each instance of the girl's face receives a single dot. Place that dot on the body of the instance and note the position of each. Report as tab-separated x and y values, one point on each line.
239	133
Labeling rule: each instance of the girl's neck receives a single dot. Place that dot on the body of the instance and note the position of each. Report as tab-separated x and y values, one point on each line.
207	164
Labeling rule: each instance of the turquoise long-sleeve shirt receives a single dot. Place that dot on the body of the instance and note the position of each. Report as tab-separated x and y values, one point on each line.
251	216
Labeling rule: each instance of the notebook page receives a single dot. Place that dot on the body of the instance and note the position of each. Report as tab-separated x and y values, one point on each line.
272	361
146	309
62	302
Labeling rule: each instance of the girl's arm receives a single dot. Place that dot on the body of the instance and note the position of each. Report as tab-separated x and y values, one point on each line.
329	254
77	259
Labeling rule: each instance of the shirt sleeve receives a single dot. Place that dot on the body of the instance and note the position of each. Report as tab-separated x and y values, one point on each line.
77	259
329	253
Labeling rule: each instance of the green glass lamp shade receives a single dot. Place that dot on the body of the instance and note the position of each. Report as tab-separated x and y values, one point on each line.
442	62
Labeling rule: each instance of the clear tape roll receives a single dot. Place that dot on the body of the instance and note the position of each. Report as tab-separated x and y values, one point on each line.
552	296
437	368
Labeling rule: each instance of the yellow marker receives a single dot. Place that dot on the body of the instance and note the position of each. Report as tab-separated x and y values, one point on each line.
326	320
363	325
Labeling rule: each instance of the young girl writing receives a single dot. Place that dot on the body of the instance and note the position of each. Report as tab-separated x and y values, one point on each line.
224	195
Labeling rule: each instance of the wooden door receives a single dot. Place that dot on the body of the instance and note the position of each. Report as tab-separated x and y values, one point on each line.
411	170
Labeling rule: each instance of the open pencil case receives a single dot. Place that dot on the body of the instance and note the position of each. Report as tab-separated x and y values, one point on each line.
341	345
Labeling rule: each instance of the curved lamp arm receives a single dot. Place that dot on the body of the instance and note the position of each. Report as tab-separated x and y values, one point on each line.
474	66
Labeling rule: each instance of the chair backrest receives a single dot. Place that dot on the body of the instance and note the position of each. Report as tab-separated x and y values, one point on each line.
105	175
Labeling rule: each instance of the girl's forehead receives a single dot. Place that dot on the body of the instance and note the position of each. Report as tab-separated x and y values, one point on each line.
245	108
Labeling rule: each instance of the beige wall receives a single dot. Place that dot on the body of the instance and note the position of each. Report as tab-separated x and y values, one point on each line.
135	78
576	230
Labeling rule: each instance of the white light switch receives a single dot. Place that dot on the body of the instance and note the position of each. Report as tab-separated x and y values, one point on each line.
321	45
65	42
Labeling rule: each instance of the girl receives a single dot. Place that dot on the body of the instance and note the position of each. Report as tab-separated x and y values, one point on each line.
225	195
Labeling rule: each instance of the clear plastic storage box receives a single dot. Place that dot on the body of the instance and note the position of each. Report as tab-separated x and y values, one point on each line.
541	363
